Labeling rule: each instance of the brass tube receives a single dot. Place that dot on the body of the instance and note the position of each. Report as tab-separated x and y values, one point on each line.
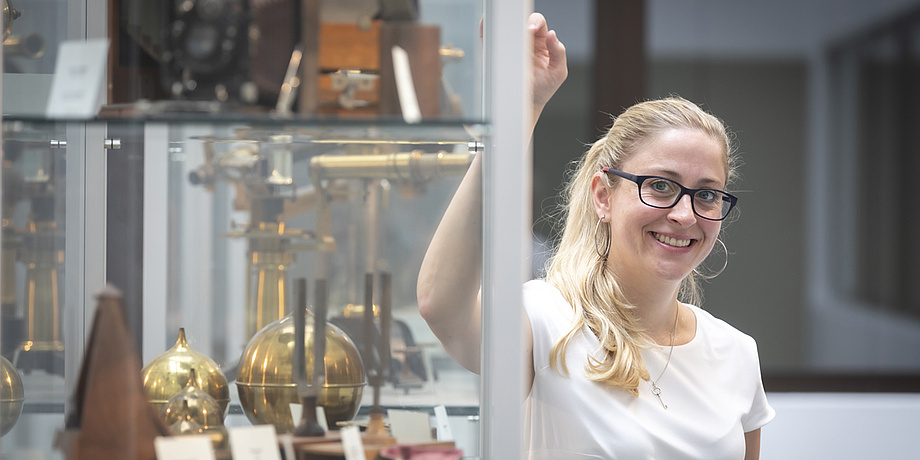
415	166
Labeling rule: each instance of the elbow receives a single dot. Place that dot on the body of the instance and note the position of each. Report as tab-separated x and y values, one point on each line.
426	302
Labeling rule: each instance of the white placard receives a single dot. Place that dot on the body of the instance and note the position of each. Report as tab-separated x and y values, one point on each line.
296	413
409	426
405	87
287	445
185	447
259	442
79	76
351	443
442	422
321	418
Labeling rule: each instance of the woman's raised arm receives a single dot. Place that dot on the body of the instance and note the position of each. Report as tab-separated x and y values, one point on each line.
450	275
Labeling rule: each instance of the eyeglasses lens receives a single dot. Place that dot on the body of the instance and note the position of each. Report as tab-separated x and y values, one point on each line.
664	193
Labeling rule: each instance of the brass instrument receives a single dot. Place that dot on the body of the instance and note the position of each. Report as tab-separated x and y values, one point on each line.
264	183
12	396
38	244
266	383
168	374
10	14
260	166
411	168
194	411
193	402
42	302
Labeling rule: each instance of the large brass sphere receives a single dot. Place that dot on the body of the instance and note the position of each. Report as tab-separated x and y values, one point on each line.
167	374
12	396
266	383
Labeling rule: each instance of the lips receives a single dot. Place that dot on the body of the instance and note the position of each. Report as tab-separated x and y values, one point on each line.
671	241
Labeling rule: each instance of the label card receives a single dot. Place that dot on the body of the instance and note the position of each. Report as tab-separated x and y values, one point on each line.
287	445
351	442
257	442
79	74
405	87
442	422
296	413
409	426
187	447
321	418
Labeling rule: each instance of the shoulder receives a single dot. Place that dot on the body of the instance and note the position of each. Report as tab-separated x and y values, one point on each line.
720	334
545	304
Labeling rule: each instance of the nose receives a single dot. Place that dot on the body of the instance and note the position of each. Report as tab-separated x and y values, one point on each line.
682	212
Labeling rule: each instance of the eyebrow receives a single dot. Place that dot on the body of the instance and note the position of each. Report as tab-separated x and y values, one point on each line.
671	174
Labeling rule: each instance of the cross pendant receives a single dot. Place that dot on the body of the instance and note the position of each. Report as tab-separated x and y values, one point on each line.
657	392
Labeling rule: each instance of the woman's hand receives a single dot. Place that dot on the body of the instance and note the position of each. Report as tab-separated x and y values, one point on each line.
549	63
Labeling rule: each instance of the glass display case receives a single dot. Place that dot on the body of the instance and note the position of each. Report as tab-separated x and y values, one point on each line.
207	207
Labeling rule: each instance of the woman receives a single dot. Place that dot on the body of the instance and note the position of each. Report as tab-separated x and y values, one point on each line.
620	367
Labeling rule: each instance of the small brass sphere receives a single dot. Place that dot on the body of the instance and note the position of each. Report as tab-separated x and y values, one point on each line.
12	396
186	424
195	403
266	382
168	374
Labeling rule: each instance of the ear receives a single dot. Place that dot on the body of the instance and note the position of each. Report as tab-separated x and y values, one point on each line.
600	195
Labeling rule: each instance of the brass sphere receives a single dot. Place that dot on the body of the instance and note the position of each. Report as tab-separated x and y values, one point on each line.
266	383
167	374
12	396
185	413
186	423
193	402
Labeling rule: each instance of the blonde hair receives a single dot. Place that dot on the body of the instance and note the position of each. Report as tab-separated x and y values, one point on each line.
582	276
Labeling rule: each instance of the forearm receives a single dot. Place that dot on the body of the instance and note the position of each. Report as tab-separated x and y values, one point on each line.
450	274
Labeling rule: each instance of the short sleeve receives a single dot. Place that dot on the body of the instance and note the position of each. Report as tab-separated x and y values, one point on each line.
760	412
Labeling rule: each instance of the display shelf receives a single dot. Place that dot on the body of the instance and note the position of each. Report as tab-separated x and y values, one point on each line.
189	211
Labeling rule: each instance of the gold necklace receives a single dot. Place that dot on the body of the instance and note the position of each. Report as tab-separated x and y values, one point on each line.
656	390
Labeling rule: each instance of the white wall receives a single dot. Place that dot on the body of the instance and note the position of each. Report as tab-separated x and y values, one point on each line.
841	427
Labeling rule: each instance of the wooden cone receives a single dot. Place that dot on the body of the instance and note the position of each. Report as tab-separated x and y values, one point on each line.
115	420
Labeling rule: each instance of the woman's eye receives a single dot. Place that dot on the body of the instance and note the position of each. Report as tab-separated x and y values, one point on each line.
706	195
663	186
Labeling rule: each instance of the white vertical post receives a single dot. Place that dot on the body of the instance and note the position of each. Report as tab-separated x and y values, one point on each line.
85	204
156	230
506	225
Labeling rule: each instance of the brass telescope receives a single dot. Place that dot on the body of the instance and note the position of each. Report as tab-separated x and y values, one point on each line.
415	166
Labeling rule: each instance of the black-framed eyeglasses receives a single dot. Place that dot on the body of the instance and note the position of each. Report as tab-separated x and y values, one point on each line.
663	193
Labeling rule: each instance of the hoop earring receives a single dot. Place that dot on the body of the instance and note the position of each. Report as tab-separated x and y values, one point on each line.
709	277
602	255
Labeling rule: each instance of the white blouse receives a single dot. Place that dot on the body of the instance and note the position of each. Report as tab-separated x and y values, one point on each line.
712	388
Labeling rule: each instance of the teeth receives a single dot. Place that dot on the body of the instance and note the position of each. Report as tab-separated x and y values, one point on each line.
672	241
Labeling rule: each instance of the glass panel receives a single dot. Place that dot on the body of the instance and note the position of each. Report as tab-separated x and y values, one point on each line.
32	31
209	223
32	390
254	208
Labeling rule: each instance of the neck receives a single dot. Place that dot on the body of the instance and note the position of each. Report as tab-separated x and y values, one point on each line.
656	308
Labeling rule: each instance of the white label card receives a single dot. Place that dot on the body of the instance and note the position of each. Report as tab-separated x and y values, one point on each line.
296	413
409	426
351	443
287	444
187	447
321	418
443	424
79	76
259	442
405	87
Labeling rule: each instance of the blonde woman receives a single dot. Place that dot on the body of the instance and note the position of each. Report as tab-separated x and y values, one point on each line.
624	364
